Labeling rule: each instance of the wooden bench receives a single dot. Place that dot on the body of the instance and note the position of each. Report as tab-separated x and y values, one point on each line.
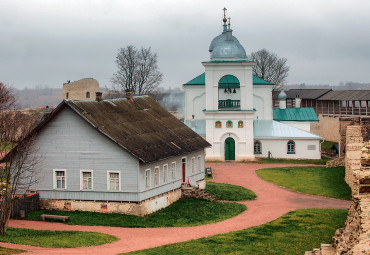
59	217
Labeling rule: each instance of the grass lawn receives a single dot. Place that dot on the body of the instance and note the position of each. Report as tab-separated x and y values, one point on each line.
184	212
293	234
6	251
229	192
328	182
55	239
321	161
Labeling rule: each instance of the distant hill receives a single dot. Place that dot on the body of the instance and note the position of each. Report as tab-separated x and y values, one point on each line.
37	97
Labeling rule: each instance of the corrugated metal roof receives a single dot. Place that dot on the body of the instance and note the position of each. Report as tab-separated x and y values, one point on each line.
141	126
201	80
295	114
303	93
347	95
270	129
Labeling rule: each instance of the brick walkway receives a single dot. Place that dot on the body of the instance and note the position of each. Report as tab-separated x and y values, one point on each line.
272	202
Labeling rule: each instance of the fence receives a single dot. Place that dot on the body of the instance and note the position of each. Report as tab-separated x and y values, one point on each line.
28	204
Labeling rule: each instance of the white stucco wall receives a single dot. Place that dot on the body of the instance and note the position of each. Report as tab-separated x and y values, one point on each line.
278	148
195	102
216	136
304	125
242	71
262	102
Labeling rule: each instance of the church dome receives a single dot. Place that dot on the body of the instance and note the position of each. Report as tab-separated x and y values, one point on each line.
220	38
228	47
282	95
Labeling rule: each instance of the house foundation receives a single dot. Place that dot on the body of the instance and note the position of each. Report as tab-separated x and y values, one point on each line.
132	208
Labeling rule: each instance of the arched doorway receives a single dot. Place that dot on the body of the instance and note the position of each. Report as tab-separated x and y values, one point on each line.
229	149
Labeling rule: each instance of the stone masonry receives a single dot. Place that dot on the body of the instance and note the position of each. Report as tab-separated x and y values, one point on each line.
81	89
354	238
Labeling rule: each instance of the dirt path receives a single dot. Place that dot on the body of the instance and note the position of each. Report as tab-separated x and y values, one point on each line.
272	202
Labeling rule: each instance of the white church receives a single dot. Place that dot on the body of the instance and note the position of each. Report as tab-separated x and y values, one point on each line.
232	109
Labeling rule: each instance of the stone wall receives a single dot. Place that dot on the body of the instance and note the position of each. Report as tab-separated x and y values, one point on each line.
139	209
327	127
354	144
80	89
354	238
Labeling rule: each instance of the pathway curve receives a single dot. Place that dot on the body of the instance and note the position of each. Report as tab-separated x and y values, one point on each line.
272	202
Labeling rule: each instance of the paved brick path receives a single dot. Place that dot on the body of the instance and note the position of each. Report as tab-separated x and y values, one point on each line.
272	202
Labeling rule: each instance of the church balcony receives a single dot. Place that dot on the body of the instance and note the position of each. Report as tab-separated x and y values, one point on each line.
228	104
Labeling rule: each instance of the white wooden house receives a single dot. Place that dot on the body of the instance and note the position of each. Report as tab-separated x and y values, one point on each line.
124	155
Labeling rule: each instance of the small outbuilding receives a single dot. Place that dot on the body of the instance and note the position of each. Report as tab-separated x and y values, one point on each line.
123	155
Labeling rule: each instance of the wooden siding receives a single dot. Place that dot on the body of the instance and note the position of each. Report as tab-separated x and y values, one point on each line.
171	184
69	142
91	196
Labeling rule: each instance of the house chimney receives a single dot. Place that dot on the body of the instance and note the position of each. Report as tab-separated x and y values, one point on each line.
129	94
99	96
297	101
282	100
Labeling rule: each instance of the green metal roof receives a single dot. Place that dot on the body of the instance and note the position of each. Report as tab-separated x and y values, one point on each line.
201	80
228	61
295	114
229	81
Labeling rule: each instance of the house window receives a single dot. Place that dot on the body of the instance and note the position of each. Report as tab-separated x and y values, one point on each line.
67	94
165	173
291	147
147	178
240	124
60	179
218	124
257	147
199	164
193	165
173	170
156	176
114	181
86	180
87	94
229	124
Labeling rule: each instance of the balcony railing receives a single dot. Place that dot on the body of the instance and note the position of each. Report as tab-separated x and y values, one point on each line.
224	104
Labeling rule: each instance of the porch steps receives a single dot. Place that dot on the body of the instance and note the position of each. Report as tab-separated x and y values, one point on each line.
195	192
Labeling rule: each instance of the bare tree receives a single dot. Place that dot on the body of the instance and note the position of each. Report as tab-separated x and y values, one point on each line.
269	66
17	154
137	70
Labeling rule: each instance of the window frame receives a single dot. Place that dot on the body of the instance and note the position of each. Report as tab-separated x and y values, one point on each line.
165	173
227	122
289	145
217	123
156	176
199	163
173	171
108	180
260	147
147	179
192	163
82	179
55	179
242	124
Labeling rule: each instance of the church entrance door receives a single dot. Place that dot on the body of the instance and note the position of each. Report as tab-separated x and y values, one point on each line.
229	149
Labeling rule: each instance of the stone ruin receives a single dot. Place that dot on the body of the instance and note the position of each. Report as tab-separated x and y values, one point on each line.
354	238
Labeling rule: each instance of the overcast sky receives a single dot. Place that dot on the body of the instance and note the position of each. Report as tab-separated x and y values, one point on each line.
50	42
